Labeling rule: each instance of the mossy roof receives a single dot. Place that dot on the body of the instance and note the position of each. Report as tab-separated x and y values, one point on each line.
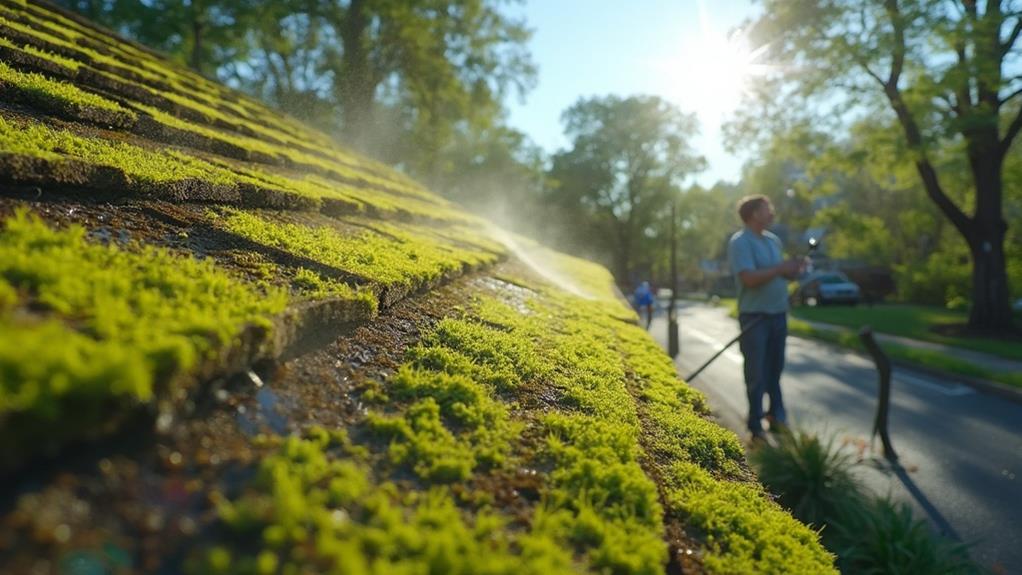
229	344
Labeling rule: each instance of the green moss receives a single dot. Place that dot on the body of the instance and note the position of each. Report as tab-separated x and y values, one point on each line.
274	137
51	95
49	34
499	359
148	166
313	509
125	320
390	260
458	403
602	357
142	165
29	49
745	532
314	286
609	507
598	501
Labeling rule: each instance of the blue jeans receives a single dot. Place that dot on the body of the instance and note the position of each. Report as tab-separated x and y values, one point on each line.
763	348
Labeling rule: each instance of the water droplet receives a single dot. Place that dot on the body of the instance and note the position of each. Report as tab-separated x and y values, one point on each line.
254	378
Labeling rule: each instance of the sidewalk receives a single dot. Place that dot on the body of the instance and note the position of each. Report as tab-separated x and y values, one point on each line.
987	362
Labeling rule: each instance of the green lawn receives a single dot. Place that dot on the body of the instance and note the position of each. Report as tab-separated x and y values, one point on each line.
936	360
911	321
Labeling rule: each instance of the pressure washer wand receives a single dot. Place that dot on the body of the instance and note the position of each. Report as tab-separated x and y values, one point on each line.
813	244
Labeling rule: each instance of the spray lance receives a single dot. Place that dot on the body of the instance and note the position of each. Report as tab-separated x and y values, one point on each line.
813	244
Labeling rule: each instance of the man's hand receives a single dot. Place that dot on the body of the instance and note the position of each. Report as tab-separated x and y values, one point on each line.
793	268
790	269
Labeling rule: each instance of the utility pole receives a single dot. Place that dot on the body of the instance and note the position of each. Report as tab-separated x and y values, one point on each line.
672	314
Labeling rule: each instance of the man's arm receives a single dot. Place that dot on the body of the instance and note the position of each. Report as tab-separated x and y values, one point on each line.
789	269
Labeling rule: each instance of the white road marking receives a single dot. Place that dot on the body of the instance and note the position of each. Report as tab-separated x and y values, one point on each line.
731	354
949	390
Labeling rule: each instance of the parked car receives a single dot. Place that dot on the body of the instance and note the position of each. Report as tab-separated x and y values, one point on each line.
875	282
825	287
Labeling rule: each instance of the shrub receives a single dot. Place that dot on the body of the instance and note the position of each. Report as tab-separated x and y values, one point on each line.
812	478
885	538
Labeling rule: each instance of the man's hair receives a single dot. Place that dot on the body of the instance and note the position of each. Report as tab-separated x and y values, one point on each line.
749	204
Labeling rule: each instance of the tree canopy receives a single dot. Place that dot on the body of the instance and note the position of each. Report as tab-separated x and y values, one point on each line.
942	69
627	159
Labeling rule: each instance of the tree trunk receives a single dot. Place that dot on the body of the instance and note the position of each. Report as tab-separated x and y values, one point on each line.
623	253
198	31
985	231
356	87
991	299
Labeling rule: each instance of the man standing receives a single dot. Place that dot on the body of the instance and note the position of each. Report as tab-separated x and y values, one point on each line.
760	274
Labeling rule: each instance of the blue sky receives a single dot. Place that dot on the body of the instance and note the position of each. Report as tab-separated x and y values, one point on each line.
665	48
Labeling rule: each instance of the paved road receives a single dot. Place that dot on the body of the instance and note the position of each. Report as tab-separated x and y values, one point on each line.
962	449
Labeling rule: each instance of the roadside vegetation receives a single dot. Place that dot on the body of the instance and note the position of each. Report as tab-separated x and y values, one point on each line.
815	479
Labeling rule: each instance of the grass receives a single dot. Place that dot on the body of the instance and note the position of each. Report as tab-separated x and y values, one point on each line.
911	321
811	477
927	358
127	320
885	538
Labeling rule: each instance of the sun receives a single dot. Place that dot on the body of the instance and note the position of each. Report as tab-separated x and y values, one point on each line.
709	72
713	72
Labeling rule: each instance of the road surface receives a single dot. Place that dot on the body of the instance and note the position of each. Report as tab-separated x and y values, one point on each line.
962	449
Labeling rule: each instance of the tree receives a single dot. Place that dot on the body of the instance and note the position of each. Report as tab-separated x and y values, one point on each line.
626	161
943	69
202	34
402	80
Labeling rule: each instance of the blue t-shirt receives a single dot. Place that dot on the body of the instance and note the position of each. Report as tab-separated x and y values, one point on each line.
748	250
643	296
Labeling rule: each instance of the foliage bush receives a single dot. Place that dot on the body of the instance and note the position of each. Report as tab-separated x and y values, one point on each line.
813	478
943	278
884	537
